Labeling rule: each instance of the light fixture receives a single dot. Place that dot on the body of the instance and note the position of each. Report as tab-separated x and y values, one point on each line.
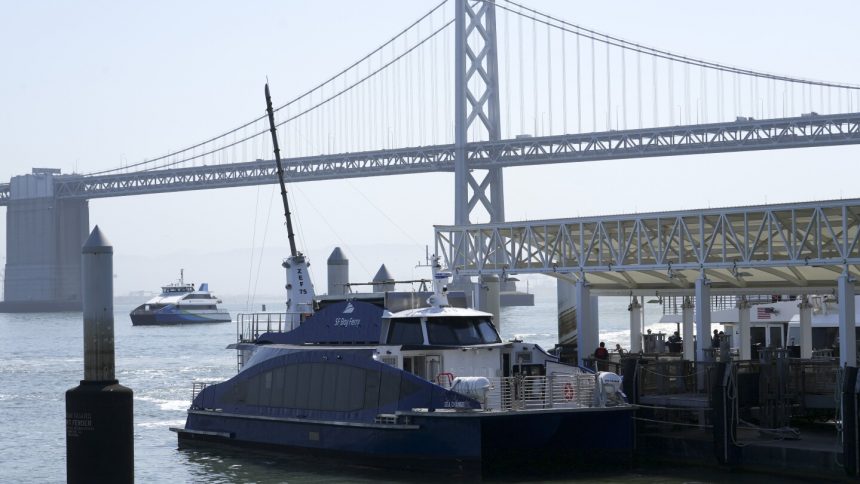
738	274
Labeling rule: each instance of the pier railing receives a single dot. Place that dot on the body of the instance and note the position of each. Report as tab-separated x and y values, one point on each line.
769	391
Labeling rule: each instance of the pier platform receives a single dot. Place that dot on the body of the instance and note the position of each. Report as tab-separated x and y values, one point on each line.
815	454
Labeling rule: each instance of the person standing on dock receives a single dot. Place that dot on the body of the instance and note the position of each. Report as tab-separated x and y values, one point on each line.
715	340
601	353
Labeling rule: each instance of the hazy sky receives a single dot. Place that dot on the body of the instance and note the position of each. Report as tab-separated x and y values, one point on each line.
91	85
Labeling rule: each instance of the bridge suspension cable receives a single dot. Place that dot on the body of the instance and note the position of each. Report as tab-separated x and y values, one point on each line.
611	90
581	81
190	153
624	44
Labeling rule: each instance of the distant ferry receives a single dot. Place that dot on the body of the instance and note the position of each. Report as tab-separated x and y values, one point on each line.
180	303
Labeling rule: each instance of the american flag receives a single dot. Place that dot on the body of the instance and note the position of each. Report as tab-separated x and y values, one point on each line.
763	313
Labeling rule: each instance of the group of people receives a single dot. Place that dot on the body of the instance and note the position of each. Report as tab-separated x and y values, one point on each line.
715	339
601	353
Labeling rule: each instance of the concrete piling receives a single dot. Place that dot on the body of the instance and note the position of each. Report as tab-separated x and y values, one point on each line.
99	422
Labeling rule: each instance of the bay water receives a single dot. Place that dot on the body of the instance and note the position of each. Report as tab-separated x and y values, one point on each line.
41	356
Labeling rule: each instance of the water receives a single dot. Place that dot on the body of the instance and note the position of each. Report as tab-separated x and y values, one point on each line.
41	356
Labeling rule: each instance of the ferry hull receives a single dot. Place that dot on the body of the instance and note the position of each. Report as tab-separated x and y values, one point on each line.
466	442
154	319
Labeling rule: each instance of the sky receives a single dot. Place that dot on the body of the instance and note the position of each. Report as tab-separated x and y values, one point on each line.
91	85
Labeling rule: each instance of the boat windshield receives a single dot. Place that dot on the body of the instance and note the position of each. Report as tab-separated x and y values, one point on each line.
461	331
405	331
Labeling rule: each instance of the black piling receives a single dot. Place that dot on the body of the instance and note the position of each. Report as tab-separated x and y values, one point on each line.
99	422
723	418
850	431
629	383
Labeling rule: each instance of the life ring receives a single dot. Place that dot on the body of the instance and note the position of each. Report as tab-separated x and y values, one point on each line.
568	391
446	374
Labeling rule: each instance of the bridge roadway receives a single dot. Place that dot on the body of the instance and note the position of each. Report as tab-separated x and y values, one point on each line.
742	135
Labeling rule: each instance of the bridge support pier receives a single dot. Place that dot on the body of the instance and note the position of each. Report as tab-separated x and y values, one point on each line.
490	298
44	235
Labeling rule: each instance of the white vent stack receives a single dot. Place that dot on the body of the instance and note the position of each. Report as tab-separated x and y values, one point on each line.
383	281
338	273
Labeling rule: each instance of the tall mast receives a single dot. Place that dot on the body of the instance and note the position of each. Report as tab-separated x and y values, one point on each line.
280	172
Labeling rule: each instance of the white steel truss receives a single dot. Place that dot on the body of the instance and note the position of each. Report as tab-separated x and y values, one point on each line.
825	130
790	245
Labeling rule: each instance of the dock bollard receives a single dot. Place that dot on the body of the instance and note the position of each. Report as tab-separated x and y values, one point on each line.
99	422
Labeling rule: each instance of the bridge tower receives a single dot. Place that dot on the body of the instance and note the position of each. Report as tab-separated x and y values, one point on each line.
476	108
44	235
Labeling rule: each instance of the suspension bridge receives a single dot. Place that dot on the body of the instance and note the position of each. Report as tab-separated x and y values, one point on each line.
473	87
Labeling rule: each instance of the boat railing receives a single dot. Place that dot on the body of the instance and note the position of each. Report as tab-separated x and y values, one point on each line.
249	326
199	386
556	390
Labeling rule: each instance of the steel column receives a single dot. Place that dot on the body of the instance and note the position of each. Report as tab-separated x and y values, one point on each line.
703	317
587	337
688	319
805	328
847	321
742	333
635	326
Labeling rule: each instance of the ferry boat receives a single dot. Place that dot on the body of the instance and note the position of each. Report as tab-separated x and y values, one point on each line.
411	382
406	380
180	303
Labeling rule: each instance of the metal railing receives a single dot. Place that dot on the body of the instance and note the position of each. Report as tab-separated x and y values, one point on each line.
199	386
672	304
541	392
249	326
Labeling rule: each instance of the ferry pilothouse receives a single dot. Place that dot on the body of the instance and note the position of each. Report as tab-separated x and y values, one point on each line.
406	380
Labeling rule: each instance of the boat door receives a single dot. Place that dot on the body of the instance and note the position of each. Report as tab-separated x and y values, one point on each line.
767	336
434	366
427	367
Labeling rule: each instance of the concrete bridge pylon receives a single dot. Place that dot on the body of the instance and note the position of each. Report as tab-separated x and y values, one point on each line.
44	235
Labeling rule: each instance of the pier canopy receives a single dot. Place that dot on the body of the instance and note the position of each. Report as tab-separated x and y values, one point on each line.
795	247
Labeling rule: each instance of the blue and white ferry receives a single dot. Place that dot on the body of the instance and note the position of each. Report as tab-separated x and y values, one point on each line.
407	380
180	303
404	380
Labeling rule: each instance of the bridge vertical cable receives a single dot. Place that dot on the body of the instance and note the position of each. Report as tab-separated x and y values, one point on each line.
401	93
678	89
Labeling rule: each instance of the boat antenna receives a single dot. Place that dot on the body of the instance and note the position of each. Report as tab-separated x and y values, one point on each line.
274	132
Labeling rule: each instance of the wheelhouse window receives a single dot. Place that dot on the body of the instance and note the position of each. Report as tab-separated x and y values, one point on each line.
405	331
461	331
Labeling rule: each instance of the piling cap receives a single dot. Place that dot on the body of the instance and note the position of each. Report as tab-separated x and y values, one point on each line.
97	243
382	275
337	257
